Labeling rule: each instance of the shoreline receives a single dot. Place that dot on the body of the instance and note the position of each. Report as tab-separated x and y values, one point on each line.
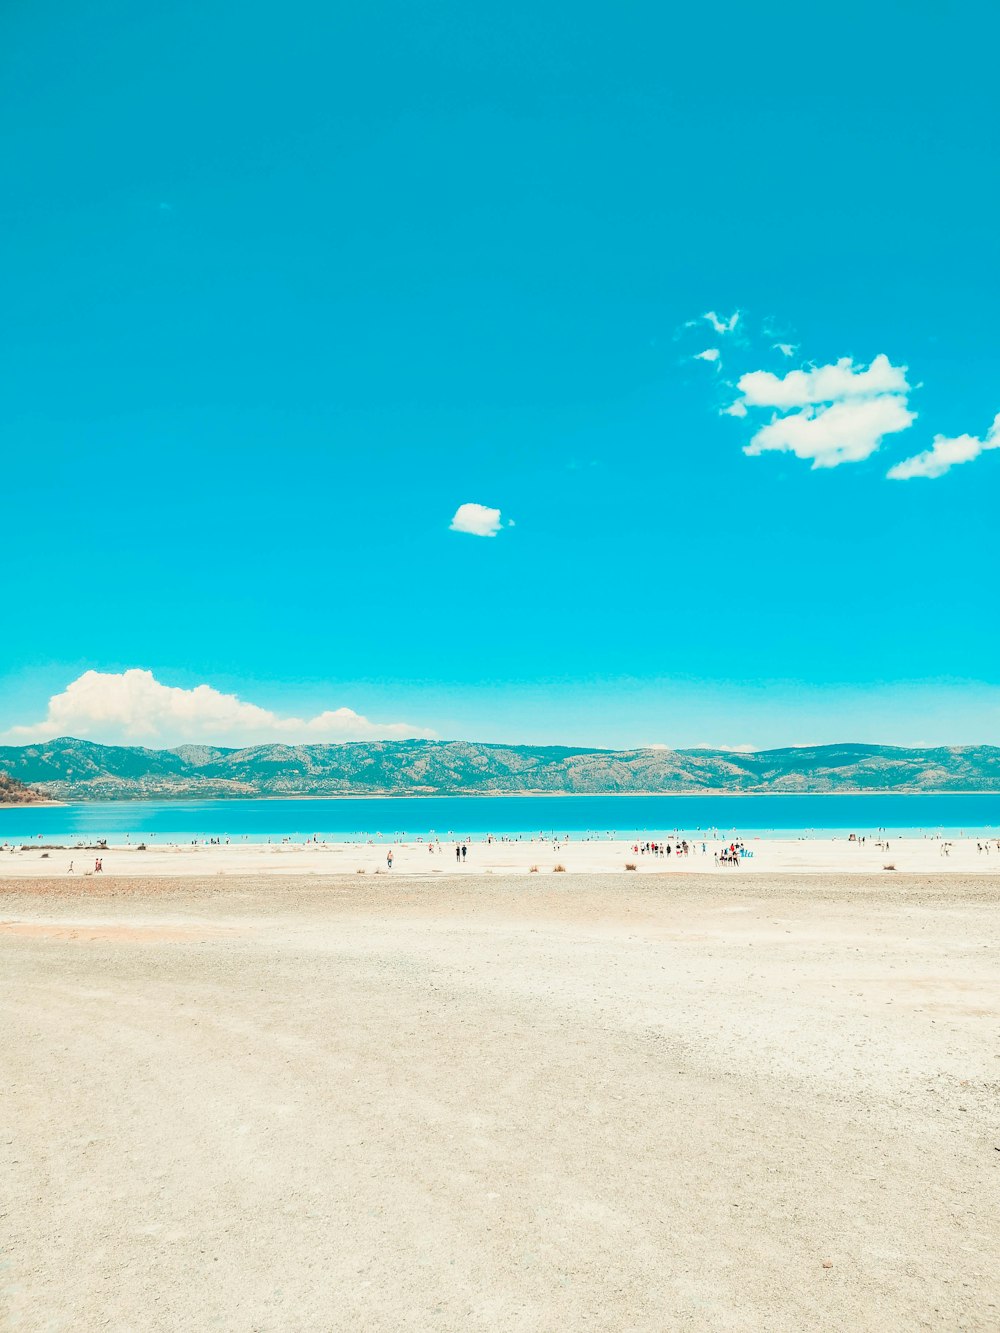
33	805
437	860
714	792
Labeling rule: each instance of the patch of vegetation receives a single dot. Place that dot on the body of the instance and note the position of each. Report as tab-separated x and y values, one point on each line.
13	792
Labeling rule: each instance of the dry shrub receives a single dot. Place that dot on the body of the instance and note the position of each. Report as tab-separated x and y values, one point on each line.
532	870
359	871
558	868
888	867
630	865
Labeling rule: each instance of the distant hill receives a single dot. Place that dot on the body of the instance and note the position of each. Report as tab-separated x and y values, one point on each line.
13	792
68	769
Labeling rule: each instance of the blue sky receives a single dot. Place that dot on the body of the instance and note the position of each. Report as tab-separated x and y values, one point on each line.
285	286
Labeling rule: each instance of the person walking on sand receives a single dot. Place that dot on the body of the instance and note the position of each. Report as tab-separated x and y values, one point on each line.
388	859
70	870
98	868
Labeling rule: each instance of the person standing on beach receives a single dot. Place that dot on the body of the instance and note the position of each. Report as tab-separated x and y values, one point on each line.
464	850
98	868
70	870
458	852
388	859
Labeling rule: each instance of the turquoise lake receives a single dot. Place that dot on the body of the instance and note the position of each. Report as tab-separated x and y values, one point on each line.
360	818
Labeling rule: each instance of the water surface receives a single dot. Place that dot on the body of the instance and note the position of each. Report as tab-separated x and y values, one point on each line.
350	819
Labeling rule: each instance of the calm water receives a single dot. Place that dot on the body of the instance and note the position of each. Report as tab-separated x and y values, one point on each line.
360	818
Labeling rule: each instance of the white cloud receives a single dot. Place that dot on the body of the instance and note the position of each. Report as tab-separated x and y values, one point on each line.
133	707
709	354
736	409
720	323
822	384
477	520
844	411
946	452
846	432
786	349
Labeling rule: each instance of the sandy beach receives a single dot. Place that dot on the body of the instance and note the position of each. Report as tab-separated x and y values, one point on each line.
696	1101
822	856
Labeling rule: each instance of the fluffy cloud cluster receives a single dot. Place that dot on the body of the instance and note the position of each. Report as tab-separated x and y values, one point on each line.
945	453
477	520
831	414
134	707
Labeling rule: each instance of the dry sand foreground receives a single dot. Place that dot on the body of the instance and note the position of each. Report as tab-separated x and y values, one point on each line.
566	1103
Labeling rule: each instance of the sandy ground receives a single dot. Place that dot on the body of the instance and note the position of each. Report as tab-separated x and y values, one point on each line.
966	856
559	1103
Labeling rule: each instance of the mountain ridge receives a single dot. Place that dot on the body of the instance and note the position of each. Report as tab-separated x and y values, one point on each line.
68	768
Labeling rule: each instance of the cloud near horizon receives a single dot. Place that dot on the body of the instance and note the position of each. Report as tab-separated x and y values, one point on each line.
832	414
133	707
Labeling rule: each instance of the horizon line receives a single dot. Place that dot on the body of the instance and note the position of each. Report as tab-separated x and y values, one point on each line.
742	751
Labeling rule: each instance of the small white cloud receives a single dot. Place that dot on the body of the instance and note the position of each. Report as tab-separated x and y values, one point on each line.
736	409
709	354
786	349
720	323
724	749
477	520
133	707
822	384
946	452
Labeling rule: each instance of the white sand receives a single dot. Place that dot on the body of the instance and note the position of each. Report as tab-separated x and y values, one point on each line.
813	856
563	1103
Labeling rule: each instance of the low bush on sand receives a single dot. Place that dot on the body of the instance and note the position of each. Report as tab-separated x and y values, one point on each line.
630	865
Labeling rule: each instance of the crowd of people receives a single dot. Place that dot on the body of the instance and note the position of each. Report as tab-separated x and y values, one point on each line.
732	855
728	854
681	848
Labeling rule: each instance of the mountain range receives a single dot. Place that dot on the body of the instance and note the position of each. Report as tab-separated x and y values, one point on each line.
69	769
